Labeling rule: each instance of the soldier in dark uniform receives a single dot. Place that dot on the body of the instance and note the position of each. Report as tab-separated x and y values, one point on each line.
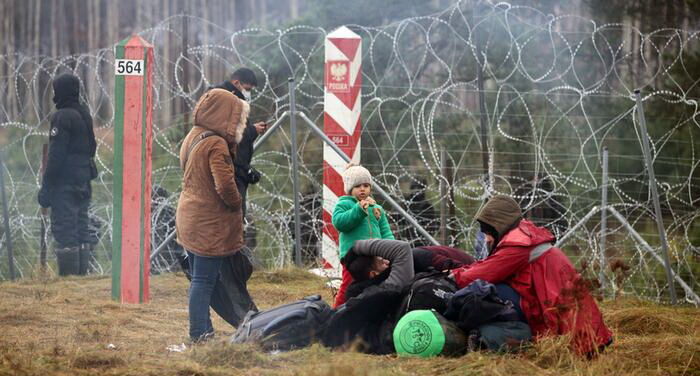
65	185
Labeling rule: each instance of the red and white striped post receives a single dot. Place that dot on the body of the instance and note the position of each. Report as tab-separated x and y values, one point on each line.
131	227
341	123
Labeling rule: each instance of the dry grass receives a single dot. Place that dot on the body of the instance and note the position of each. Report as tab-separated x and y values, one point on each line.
66	326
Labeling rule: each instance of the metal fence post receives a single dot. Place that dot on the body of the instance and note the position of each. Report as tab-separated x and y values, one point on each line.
483	114
603	218
6	215
295	172
443	197
655	195
44	213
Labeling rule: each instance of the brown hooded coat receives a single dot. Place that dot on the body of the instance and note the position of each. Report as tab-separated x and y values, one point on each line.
209	219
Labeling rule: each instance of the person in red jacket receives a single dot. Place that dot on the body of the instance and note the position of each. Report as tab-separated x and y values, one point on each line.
554	296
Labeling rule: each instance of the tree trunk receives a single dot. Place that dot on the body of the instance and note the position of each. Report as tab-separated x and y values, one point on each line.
294	9
37	28
3	47
263	13
54	35
167	108
10	28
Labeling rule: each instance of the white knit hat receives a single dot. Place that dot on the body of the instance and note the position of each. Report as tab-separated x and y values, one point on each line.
355	175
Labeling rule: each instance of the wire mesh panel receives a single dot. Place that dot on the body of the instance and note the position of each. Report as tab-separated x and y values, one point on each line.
555	91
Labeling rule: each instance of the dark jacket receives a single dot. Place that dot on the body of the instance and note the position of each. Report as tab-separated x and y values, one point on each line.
244	152
72	142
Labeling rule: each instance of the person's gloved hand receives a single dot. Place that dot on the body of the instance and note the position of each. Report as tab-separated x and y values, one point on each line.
253	176
43	197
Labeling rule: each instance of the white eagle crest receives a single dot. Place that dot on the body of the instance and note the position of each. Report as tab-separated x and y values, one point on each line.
338	71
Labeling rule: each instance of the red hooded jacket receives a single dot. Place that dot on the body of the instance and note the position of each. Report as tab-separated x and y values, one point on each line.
553	295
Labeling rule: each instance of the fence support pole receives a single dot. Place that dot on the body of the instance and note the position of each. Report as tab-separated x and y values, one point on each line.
6	216
483	116
576	226
375	187
688	290
603	218
270	131
44	212
443	198
655	195
295	172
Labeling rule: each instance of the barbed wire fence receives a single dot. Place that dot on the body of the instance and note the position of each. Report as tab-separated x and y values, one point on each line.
555	90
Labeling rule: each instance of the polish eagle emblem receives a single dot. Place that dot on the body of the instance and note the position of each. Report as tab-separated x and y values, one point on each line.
338	71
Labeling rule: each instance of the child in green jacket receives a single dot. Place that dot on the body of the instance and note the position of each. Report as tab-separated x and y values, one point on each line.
356	217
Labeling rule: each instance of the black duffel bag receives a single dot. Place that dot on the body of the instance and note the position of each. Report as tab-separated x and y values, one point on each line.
286	327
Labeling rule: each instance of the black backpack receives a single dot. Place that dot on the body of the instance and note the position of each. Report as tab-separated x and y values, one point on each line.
429	290
289	326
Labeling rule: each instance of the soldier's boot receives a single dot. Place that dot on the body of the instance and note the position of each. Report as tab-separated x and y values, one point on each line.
86	257
68	261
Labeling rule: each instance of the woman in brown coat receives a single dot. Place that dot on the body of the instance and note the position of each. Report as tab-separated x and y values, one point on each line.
209	219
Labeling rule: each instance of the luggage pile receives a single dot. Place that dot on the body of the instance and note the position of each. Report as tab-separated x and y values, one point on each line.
429	317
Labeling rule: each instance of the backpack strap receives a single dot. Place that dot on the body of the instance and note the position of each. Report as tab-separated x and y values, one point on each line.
538	251
194	143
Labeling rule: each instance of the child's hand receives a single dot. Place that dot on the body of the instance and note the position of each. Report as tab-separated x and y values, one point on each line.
364	204
371	201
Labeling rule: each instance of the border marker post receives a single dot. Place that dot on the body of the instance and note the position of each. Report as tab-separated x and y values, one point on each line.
133	111
342	124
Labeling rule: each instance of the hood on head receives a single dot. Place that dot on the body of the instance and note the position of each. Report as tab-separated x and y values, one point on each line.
500	212
66	89
221	112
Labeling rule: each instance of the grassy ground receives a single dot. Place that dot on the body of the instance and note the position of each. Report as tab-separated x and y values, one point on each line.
69	326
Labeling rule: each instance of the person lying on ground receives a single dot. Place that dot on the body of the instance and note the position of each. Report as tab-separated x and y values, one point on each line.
553	296
357	216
